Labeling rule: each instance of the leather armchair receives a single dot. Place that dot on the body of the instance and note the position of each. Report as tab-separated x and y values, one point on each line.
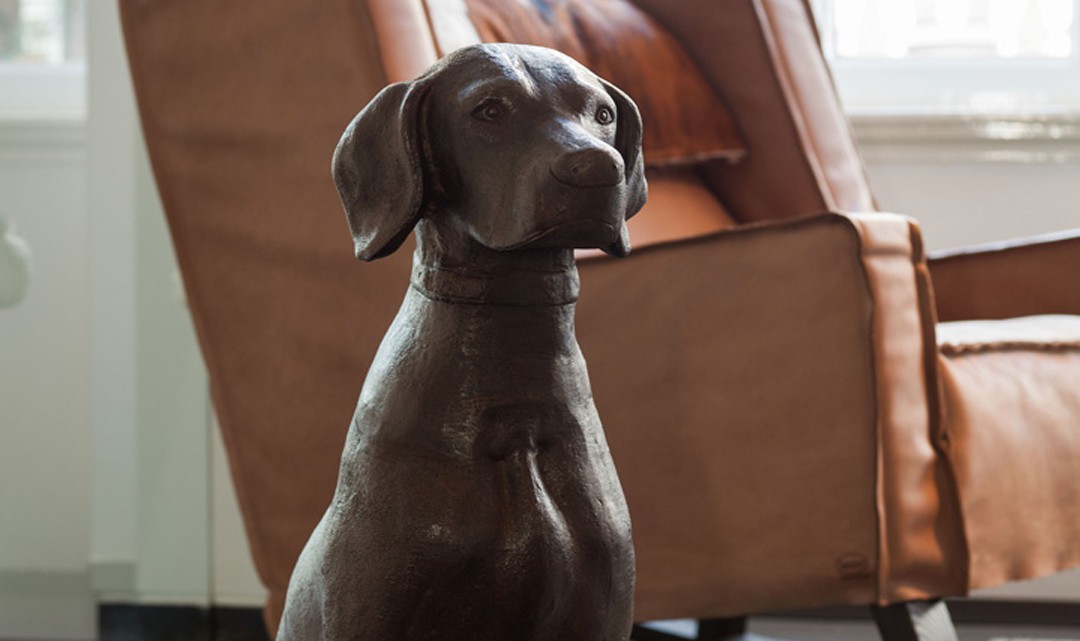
792	424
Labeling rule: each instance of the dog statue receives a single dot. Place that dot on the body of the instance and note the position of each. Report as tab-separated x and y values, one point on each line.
477	498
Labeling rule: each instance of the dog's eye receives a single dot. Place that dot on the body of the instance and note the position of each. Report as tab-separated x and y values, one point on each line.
604	115
490	111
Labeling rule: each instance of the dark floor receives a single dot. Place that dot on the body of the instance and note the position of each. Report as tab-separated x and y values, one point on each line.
848	630
176	624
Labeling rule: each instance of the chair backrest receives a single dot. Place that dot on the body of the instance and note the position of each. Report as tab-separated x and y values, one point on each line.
242	105
764	59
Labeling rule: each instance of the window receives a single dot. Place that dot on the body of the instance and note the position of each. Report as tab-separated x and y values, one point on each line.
42	58
1014	56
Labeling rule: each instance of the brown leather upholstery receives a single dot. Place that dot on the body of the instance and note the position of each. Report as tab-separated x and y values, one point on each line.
792	426
241	111
763	56
812	491
686	120
1012	400
1020	278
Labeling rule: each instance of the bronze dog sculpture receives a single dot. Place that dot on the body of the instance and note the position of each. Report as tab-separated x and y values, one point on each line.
477	499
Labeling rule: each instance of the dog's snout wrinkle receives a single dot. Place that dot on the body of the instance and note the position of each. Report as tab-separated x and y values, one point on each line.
592	167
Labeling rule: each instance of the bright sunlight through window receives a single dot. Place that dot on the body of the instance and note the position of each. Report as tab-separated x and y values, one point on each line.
41	31
968	56
953	28
42	59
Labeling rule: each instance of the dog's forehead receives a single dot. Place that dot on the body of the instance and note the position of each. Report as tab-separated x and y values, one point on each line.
540	72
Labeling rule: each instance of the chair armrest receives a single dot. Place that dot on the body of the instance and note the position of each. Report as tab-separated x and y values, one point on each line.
1020	278
763	377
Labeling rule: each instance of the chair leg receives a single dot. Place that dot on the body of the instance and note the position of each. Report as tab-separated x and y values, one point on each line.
640	633
721	629
732	629
915	621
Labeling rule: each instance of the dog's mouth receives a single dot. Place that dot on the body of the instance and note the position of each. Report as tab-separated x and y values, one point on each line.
577	234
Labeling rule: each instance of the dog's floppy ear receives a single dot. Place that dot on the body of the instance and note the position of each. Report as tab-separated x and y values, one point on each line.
377	170
628	143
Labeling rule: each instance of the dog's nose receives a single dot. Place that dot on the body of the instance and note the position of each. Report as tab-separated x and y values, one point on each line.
592	167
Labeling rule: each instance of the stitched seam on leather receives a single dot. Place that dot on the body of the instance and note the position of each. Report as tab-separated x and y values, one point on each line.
949	503
887	252
431	29
970	349
807	138
389	44
881	563
783	79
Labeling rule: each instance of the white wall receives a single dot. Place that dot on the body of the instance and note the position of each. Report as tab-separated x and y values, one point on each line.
104	428
976	179
45	438
151	535
963	204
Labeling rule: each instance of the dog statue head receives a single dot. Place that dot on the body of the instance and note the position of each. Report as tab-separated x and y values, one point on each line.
512	146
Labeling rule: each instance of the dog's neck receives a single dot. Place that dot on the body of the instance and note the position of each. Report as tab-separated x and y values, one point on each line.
451	267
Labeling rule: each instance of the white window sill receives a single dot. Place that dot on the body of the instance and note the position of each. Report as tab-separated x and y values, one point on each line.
42	92
41	132
1033	137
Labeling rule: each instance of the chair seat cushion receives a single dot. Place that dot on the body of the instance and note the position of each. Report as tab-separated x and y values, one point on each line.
1011	419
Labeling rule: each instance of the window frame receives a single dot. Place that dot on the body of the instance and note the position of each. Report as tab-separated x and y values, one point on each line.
43	91
954	85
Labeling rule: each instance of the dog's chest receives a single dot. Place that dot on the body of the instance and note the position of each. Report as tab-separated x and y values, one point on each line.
474	384
477	450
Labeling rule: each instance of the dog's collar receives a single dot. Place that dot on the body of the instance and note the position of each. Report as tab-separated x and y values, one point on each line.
517	288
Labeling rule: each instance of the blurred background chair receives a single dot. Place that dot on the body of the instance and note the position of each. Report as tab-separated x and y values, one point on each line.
803	408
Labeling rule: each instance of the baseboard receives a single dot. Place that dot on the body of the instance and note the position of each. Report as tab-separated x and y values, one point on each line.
44	604
122	622
129	622
113	581
972	611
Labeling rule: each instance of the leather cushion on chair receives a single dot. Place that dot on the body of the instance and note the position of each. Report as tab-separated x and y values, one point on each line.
1011	411
685	120
680	206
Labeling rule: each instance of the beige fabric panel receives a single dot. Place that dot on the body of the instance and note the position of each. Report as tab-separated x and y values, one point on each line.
1013	419
739	403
